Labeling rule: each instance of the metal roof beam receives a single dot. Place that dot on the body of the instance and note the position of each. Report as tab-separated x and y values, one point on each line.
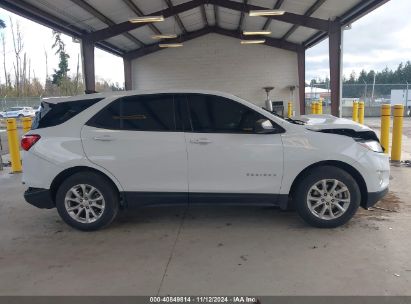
155	47
273	42
216	16
204	15
268	21
91	10
176	17
128	26
311	22
313	8
240	23
131	5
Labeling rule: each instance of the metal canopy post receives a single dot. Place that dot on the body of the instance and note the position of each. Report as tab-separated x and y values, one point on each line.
87	56
301	79
128	80
335	67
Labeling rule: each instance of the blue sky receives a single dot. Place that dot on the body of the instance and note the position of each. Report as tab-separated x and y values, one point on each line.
380	39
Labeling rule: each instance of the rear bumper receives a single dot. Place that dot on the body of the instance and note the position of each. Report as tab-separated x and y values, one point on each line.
374	197
41	198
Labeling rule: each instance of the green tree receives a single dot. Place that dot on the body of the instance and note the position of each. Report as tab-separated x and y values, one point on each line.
60	75
355	87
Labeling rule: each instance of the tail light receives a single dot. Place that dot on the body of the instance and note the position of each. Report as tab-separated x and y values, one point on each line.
28	141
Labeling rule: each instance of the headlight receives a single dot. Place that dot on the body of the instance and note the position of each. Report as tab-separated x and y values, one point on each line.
371	145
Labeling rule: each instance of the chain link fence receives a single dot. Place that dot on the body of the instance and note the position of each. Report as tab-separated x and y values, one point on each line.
8	102
373	95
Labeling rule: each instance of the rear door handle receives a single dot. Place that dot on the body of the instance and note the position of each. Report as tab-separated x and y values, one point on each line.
103	138
201	141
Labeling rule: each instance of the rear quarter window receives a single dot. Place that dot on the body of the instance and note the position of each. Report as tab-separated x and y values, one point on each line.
53	114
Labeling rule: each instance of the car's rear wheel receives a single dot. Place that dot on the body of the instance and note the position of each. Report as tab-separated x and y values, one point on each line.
327	197
87	201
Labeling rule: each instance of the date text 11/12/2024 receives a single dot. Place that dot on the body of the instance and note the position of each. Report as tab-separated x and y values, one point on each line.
204	299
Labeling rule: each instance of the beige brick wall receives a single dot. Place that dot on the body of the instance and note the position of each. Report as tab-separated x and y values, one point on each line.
215	62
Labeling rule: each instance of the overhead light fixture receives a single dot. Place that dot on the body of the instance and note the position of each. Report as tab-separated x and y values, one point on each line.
257	13
248	33
257	41
170	45
164	36
145	19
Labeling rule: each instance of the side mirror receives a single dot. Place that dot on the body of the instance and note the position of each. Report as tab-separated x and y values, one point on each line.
263	126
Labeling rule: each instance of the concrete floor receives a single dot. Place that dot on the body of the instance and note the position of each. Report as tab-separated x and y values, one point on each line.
206	250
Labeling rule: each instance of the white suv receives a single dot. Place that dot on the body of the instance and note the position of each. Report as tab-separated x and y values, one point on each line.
18	112
91	155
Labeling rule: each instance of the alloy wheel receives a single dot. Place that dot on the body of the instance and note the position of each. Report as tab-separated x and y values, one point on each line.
328	199
84	203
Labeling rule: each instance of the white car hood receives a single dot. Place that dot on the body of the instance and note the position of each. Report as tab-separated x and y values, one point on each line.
327	122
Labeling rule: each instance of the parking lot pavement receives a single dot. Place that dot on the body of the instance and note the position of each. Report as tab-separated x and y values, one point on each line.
205	250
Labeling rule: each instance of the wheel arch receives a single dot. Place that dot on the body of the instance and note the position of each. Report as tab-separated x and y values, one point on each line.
339	164
58	180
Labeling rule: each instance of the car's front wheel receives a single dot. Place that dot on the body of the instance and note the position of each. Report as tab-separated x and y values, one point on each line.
87	201
327	197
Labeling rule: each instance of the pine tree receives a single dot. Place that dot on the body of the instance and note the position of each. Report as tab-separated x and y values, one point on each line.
60	75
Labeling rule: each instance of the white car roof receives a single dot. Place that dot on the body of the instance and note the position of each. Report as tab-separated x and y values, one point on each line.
135	92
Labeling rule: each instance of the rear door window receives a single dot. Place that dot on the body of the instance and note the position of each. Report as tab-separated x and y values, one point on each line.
53	114
138	113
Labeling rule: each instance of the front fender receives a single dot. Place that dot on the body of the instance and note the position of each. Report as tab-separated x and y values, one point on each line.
304	149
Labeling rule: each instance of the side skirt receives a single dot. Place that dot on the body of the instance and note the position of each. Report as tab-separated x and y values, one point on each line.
141	198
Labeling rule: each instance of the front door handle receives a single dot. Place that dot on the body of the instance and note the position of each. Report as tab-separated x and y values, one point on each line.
103	138
201	141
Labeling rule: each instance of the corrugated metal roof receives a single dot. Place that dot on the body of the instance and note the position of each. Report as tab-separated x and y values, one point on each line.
73	15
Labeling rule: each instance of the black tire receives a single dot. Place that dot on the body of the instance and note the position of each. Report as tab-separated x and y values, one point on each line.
315	176
20	116
106	189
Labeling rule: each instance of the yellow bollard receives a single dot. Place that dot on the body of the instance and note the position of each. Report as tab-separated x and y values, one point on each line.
355	111
385	127
26	122
397	132
313	107
361	112
320	107
13	140
290	109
